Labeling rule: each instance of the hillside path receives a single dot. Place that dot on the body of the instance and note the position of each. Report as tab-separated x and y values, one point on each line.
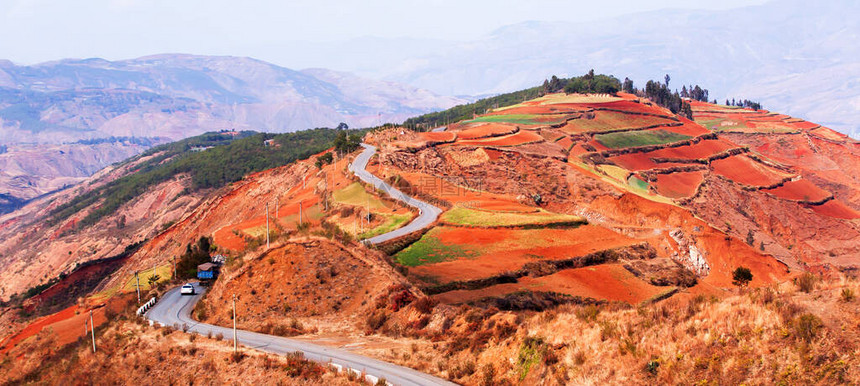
174	309
427	213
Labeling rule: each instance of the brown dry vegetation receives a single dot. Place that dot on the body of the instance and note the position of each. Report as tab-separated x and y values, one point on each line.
775	334
129	352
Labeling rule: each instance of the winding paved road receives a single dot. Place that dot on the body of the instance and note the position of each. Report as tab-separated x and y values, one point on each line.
175	309
427	214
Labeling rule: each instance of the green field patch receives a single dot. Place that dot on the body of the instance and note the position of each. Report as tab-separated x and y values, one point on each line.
637	183
615	172
429	250
627	139
522	119
355	195
482	218
391	223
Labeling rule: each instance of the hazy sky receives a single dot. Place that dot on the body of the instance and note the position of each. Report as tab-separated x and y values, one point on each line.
33	31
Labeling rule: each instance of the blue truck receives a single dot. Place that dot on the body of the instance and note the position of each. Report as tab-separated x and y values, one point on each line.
207	271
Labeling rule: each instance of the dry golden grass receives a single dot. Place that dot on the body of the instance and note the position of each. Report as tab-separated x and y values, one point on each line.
132	353
759	336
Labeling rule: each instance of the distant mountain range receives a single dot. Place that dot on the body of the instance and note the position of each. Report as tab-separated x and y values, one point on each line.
176	96
793	56
62	121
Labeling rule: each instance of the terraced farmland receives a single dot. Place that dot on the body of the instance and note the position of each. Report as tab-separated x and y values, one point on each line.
489	218
627	139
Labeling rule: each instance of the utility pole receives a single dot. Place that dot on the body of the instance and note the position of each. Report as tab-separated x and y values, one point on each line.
267	225
137	277
93	329
174	268
235	342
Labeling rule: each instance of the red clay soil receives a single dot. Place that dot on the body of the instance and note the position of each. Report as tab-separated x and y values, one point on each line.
723	255
628	106
486	130
540	109
834	208
442	136
597	145
603	282
688	128
742	169
678	185
612	120
66	326
799	190
520	138
226	237
609	281
565	143
700	150
829	134
804	125
501	250
473	198
640	161
493	154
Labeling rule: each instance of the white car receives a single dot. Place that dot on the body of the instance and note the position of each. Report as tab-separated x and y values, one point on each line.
187	289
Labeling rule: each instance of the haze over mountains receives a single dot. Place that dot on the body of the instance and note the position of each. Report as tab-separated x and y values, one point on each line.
789	55
177	96
168	97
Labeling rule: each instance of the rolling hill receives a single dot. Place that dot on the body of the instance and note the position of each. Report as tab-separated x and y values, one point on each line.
576	229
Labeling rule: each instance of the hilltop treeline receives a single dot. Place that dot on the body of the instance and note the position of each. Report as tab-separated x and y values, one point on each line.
212	160
468	111
659	93
746	103
586	84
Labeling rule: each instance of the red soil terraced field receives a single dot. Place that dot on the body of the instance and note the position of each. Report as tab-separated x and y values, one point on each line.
627	106
700	150
826	133
640	161
679	185
442	136
459	196
486	130
803	125
566	143
540	109
688	128
604	282
612	120
744	170
519	138
492	251
834	208
800	190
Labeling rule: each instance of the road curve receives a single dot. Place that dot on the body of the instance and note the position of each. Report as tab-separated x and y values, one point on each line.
175	309
427	214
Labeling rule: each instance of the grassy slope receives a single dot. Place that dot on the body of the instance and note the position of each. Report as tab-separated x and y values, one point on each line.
639	138
480	218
